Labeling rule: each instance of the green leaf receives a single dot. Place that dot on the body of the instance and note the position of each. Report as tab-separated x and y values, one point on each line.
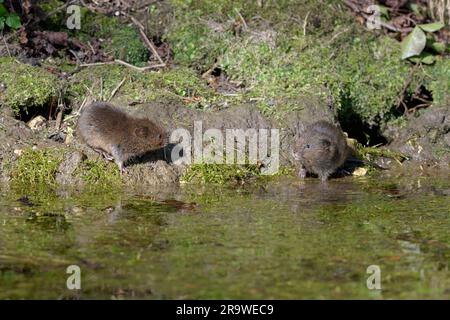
428	59
425	58
1	1
414	43
439	47
13	21
2	23
431	27
3	11
415	8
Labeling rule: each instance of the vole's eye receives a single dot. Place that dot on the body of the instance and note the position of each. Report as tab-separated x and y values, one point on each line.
307	146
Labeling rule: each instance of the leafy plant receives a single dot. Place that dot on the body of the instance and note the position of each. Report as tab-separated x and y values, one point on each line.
10	19
414	44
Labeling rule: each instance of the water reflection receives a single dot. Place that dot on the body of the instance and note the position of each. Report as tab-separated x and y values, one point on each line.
283	239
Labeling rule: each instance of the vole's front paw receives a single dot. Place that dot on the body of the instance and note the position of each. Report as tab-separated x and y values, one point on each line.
302	173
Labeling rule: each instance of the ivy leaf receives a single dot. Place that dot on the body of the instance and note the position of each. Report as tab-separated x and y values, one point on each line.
13	21
2	23
3	11
431	27
428	59
425	58
415	8
439	47
414	43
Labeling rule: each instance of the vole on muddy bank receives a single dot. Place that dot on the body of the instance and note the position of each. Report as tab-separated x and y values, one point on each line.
321	149
117	135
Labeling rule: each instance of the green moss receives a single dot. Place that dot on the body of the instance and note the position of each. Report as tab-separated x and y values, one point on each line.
220	173
35	167
181	84
202	31
365	75
56	20
369	153
98	25
195	45
95	172
438	81
121	42
127	45
280	61
26	86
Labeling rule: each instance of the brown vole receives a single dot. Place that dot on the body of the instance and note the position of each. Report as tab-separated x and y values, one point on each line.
117	135
321	149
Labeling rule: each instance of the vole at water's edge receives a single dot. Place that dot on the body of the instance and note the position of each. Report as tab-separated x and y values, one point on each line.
117	135
321	149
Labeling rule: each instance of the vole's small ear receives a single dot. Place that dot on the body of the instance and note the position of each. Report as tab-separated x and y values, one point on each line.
141	132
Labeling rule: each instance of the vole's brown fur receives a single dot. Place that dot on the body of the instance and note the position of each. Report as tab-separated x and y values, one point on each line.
321	149
117	135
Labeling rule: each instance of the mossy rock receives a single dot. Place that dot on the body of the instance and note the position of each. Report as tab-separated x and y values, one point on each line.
99	173
438	82
26	86
37	167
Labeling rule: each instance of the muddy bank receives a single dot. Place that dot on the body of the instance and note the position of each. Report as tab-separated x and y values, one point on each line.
77	164
30	153
424	138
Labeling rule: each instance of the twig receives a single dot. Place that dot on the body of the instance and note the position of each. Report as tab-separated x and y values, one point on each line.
419	106
91	47
113	93
140	68
126	64
383	24
101	88
208	72
242	19
408	81
305	23
6	45
76	56
148	43
82	105
89	90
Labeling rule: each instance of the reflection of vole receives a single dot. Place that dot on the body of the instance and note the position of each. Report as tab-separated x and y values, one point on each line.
321	149
117	135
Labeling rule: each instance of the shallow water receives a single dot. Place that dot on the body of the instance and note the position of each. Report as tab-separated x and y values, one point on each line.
283	239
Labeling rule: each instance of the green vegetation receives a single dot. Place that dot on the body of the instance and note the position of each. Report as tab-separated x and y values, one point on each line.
121	42
37	167
436	79
276	54
220	173
178	84
300	48
97	172
10	19
420	38
26	86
